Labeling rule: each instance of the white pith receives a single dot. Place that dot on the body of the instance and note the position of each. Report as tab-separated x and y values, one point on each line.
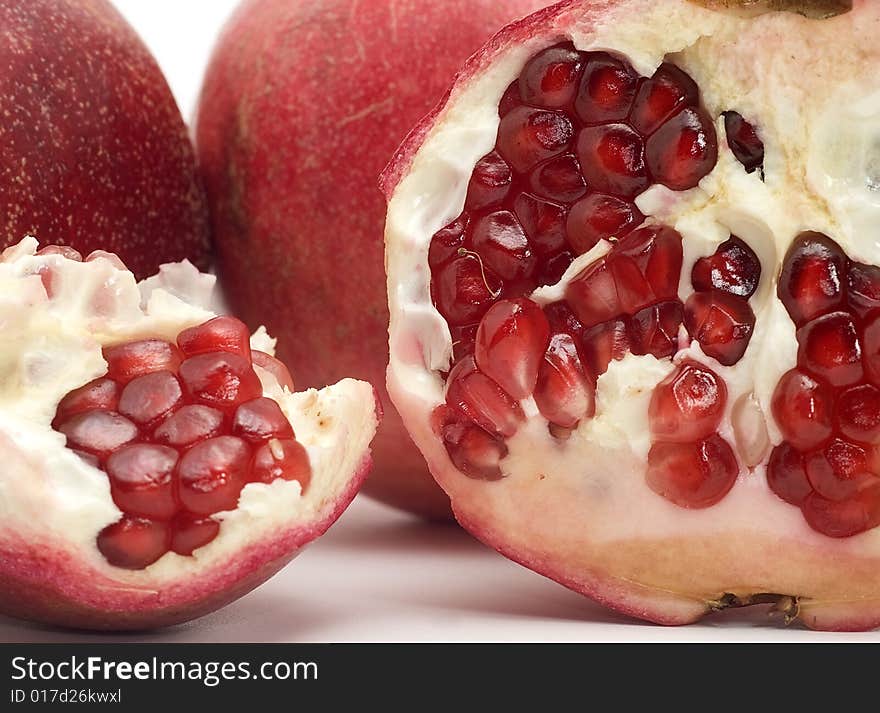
50	347
800	83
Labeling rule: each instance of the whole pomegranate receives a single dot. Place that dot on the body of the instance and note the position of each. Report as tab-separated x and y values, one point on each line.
634	279
94	153
156	462
303	104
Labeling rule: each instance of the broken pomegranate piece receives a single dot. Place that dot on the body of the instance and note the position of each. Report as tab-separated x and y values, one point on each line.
702	428
165	467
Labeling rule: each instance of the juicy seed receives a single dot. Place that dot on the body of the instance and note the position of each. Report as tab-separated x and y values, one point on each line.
125	361
863	290
510	345
661	97
500	241
133	543
550	79
829	348
564	395
744	142
787	476
732	268
682	151
141	480
600	217
607	89
260	420
220	380
221	334
490	182
100	394
189	425
478	398
813	278
464	289
149	397
687	405
528	136
844	518
282	459
559	179
543	223
474	452
213	473
858	414
275	367
692	475
605	343
871	349
98	432
722	323
802	407
446	243
654	330
191	532
839	471
612	158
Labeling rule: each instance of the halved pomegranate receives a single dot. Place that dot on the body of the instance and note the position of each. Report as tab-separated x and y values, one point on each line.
657	380
157	464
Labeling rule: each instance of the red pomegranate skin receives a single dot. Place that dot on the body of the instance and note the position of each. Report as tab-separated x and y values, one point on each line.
93	151
303	104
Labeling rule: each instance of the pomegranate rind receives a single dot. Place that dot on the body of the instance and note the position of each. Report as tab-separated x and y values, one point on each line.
54	504
664	565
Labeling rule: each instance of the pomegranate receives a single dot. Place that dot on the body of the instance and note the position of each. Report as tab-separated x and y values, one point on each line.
635	303
303	103
157	464
94	153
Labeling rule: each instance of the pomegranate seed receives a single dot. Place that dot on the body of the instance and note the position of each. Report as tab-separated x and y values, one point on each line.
282	459
464	341
657	252
149	397
559	179
612	159
550	79
133	543
191	532
510	99
275	367
213	473
465	289
552	270
722	323
126	361
654	330
220	379
562	319
480	399
592	294
732	268
563	393
473	451
501	243
98	432
682	151
743	141
863	289
510	345
607	89
692	475
605	343
839	470
844	518
828	347
189	425
446	243
662	96
600	217
802	408
259	420
101	394
543	223
527	136
221	334
490	182
633	290
141	480
687	405
813	277
62	250
787	476
858	414
871	349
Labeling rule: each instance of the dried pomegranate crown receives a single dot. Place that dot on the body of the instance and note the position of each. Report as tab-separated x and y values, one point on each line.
648	315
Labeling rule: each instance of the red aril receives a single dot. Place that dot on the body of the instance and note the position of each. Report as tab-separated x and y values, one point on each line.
490	182
726	330
475	396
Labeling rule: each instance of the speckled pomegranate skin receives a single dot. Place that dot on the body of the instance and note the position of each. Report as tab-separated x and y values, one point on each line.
93	151
303	104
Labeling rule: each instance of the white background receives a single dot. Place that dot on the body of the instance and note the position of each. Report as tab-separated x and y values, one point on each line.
379	575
